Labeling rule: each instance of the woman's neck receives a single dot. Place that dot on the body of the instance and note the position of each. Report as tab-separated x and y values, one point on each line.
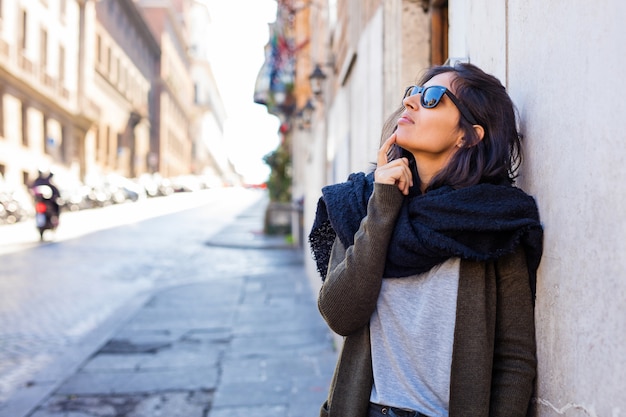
428	168
426	173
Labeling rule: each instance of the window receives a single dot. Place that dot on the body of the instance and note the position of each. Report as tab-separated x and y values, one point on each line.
62	8
107	144
98	50
22	30
98	144
118	71
43	50
64	144
46	145
109	63
118	150
122	80
24	124
61	64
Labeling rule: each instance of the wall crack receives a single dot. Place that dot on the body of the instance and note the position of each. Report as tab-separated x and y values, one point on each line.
589	411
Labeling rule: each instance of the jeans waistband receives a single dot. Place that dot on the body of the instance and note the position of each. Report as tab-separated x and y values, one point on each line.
377	410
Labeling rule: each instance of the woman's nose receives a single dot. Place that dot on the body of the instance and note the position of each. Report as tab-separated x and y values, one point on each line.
409	102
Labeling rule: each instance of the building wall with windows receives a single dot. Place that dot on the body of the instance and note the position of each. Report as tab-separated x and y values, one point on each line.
85	90
125	59
42	124
174	88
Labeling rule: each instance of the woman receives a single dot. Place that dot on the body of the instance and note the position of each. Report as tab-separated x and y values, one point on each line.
429	262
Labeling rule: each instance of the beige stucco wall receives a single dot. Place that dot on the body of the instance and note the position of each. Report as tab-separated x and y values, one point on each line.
561	62
349	140
414	37
355	112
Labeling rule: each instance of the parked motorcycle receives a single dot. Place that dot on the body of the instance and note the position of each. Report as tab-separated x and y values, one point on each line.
46	209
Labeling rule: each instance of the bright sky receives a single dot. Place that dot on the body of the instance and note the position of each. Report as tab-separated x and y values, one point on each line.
239	33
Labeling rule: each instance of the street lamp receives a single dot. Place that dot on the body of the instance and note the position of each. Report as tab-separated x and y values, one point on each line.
316	78
306	115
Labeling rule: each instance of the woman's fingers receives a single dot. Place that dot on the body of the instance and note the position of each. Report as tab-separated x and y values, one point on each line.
395	172
384	150
405	181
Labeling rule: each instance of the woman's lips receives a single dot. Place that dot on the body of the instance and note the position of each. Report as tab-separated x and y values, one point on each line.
405	119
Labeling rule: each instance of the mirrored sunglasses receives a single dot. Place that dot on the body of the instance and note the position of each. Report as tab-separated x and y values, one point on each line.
431	96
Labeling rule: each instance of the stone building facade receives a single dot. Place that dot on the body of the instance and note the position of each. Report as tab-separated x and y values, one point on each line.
172	88
89	88
125	57
43	119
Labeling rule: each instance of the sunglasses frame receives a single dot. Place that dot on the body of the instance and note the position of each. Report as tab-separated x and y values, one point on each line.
416	89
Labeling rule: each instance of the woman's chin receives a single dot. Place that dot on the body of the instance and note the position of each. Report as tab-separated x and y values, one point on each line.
402	141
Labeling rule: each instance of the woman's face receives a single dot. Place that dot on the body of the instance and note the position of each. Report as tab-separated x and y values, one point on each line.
430	134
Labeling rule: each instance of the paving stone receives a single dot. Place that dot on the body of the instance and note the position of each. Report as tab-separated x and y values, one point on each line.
104	362
166	404
128	382
61	406
268	369
303	409
177	323
173	405
64	414
254	411
280	344
214	335
252	393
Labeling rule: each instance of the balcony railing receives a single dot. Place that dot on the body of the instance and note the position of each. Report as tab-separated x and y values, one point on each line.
48	80
17	63
64	92
22	67
25	64
92	108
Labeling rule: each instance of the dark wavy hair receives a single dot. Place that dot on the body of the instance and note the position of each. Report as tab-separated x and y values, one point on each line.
494	159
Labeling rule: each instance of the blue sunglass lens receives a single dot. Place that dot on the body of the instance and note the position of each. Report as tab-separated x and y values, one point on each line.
431	97
411	91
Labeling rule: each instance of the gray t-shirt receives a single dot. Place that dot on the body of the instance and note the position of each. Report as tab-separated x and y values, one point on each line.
411	332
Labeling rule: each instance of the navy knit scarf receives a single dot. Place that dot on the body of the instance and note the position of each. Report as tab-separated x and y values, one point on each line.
482	222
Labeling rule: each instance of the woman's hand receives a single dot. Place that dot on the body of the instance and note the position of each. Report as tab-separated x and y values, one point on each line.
395	172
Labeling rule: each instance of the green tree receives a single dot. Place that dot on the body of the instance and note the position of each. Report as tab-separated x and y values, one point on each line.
279	182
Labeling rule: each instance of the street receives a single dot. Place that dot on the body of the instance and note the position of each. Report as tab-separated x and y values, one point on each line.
53	294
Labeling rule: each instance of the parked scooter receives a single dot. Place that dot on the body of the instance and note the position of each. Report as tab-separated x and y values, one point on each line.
46	209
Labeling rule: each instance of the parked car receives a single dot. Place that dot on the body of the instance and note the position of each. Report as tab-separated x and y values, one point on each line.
155	185
123	189
15	203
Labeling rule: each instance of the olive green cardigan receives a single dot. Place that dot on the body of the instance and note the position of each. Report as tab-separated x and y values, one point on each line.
493	359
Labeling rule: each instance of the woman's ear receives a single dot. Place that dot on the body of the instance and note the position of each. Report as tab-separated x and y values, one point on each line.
480	132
